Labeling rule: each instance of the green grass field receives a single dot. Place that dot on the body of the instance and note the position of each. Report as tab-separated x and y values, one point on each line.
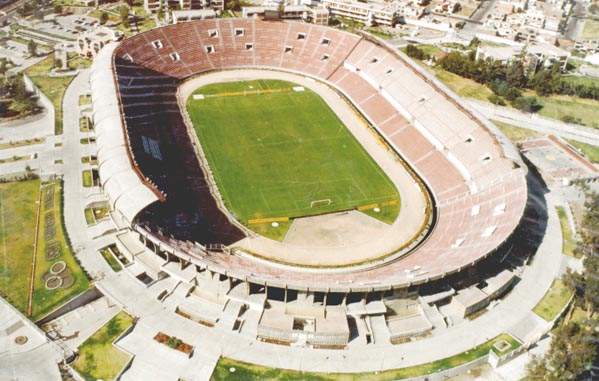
590	151
569	244
281	153
18	214
247	372
53	87
554	300
98	359
514	133
44	300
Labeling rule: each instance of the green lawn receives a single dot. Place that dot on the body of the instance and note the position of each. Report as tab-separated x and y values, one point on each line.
464	87
96	213
110	259
590	29
515	134
590	151
22	143
554	300
87	178
53	87
98	359
558	106
246	372
283	153
568	244
18	213
53	237
581	80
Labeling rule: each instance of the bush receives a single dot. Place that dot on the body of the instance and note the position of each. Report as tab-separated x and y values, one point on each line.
415	52
571	119
103	18
496	100
527	104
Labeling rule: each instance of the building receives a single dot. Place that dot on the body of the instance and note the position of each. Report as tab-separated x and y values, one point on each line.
540	54
91	41
193	14
154	6
315	15
366	13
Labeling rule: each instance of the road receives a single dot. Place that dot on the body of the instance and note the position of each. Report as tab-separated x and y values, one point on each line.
536	122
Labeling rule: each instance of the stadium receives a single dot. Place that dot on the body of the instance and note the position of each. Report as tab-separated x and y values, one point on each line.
309	175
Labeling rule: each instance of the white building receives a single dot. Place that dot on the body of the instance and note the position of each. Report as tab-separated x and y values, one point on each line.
366	13
90	42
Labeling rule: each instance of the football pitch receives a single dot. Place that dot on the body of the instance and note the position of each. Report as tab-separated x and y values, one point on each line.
276	153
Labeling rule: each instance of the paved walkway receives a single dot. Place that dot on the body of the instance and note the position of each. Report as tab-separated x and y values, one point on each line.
33	361
537	123
510	312
75	195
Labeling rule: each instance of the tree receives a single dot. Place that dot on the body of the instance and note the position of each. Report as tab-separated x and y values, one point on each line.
58	8
572	351
58	63
32	48
496	100
415	52
104	17
515	74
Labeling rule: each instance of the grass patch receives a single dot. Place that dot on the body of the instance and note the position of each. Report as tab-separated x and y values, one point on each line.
581	80
96	213
554	300
515	134
590	151
85	99
18	213
52	235
14	158
568	244
292	156
277	233
87	178
245	371
92	160
85	124
98	358
380	33
590	30
22	143
53	87
111	260
464	87
558	106
387	213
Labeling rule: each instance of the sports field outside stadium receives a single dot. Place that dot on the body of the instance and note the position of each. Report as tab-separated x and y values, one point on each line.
279	153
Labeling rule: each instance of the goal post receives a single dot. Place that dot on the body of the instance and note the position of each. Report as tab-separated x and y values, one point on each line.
319	203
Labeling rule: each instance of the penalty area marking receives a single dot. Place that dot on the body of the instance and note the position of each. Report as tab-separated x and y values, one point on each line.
323	202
